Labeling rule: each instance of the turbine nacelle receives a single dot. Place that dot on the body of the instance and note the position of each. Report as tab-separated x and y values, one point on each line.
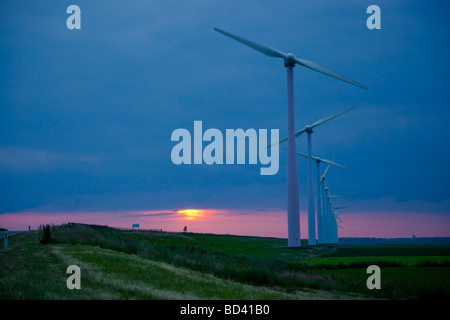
309	129
289	60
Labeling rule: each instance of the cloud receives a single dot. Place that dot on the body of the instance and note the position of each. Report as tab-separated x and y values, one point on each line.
87	116
393	205
16	158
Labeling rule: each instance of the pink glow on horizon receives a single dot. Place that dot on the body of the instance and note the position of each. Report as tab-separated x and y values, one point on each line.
270	223
394	224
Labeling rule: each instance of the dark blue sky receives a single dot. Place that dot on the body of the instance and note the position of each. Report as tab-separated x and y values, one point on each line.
87	115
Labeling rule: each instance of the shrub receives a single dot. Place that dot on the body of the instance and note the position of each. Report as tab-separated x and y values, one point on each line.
46	235
428	263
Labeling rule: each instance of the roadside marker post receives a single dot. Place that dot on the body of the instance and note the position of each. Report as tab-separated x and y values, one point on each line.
5	238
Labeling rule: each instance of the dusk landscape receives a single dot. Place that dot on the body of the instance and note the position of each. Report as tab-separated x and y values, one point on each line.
161	132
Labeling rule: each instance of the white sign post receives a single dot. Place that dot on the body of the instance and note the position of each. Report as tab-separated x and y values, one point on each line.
5	237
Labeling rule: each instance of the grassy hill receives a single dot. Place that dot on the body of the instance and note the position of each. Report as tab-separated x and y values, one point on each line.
118	264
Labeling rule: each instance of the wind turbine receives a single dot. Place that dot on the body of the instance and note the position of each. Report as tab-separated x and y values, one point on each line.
330	216
292	175
311	210
333	217
320	220
325	210
336	214
327	217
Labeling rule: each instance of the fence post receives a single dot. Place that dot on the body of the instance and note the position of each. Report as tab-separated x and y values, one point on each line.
5	237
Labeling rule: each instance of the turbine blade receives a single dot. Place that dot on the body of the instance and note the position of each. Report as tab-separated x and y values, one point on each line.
329	162
323	120
322	69
333	163
256	46
302	155
296	134
282	140
299	132
326	170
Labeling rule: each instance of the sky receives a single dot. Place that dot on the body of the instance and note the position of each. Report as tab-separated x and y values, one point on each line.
87	115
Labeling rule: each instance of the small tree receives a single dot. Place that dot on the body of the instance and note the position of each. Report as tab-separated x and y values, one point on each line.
46	235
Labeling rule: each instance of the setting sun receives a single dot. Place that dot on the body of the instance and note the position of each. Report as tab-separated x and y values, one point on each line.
193	214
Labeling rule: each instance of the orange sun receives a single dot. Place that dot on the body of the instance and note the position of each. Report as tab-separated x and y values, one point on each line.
193	214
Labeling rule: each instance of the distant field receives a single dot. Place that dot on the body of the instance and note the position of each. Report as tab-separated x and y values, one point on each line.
404	260
349	250
157	265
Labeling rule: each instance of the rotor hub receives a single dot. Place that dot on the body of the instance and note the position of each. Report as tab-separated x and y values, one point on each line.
308	129
289	61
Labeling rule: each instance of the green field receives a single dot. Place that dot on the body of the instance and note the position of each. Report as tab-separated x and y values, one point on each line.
157	265
411	261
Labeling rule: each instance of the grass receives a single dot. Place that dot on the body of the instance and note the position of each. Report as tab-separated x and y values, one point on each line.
33	271
398	283
157	265
122	276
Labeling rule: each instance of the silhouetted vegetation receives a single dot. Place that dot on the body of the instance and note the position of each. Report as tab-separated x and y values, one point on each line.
46	235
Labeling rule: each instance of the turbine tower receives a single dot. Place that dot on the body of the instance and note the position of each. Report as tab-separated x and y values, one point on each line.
292	175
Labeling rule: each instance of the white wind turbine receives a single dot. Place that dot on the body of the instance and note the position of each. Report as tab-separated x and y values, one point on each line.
326	219
330	215
335	213
327	216
311	210
320	214
292	175
332	218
